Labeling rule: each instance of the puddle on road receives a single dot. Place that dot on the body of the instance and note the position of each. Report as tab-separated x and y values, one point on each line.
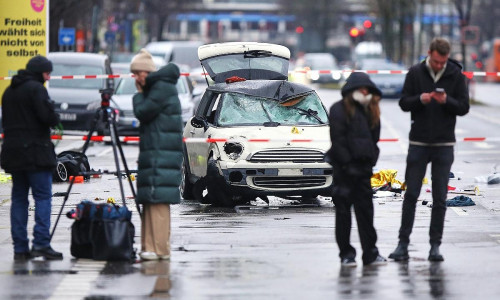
41	272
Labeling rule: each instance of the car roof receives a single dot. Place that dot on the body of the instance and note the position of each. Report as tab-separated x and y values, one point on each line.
280	90
211	50
77	58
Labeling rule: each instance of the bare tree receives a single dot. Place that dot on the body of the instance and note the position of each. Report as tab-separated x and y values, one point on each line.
158	12
464	13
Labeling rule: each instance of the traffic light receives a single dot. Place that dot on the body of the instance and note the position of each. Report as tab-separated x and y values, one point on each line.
299	29
354	32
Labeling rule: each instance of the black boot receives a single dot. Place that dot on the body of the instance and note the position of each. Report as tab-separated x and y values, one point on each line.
400	253
47	253
434	254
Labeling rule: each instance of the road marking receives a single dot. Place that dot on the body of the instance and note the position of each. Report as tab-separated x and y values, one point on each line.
493	120
78	285
460	211
394	133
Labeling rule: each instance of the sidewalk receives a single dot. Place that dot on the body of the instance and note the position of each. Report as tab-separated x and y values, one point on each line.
485	92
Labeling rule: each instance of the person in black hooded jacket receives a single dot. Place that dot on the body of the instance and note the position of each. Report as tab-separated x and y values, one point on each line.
435	93
354	132
28	155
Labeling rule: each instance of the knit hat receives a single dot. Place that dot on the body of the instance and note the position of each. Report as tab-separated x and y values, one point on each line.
142	61
39	64
358	80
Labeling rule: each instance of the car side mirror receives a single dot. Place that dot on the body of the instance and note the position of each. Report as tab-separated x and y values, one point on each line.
198	122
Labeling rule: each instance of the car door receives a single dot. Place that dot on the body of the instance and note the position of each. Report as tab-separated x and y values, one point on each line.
197	149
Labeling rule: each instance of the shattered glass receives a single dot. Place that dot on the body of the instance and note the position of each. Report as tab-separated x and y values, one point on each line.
240	109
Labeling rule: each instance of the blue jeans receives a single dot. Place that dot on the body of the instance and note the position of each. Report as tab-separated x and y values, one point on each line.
41	188
441	159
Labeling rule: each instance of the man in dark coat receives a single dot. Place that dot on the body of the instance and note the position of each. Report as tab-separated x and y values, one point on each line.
157	107
435	93
354	132
28	154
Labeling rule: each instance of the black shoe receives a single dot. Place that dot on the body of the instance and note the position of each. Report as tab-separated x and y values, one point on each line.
48	253
400	253
434	254
22	256
348	262
378	261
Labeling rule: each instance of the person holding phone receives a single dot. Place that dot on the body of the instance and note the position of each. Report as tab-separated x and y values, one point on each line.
435	93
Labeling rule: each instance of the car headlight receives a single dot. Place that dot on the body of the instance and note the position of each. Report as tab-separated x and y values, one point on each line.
314	75
336	75
233	149
94	105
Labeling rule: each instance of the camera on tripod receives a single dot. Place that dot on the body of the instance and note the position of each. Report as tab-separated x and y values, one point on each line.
106	97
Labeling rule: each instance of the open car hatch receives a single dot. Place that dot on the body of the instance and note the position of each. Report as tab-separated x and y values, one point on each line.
246	60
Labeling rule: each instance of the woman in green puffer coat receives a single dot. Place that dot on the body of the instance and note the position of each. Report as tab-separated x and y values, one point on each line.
158	109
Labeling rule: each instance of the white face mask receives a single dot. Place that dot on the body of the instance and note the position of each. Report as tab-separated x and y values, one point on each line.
363	99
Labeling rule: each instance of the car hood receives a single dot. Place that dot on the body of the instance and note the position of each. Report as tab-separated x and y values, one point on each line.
124	101
73	96
256	138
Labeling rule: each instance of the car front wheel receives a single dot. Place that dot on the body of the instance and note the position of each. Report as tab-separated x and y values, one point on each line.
217	195
186	186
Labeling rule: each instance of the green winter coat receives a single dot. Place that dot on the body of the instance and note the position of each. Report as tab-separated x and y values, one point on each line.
160	157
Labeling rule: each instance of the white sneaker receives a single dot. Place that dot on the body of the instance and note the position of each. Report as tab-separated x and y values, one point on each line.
148	256
164	257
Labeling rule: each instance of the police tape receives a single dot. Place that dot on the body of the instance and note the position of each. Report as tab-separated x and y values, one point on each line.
467	74
127	139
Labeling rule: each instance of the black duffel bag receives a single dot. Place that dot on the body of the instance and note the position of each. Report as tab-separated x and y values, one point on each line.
102	232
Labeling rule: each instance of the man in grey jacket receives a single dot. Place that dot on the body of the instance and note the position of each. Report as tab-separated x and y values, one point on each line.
434	92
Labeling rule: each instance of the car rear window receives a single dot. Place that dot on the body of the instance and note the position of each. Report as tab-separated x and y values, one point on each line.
70	69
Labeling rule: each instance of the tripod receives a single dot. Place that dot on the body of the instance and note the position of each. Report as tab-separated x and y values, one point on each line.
107	116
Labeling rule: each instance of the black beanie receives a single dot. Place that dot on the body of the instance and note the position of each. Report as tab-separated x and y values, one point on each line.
39	64
357	80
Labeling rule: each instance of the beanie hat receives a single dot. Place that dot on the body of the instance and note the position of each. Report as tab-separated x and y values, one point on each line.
358	80
39	64
142	61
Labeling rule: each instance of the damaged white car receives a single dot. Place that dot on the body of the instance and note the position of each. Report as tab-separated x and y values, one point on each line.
254	134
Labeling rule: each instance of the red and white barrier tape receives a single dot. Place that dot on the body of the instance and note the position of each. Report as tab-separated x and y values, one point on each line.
468	74
101	138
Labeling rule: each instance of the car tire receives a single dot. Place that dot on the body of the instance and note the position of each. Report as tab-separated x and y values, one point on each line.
186	187
61	173
218	195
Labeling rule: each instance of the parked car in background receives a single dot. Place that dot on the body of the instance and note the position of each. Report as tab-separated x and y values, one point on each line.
126	123
179	52
317	65
73	96
256	117
391	84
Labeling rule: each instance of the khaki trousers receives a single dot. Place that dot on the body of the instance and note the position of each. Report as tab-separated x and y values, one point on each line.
155	229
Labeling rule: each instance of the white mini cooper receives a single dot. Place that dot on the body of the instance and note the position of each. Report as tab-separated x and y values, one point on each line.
254	134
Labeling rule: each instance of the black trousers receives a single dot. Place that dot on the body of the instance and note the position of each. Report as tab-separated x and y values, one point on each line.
441	159
357	193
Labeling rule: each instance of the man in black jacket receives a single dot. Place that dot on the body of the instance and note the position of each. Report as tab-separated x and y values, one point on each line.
434	92
28	154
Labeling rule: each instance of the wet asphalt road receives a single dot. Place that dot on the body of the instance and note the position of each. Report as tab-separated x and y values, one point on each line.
286	250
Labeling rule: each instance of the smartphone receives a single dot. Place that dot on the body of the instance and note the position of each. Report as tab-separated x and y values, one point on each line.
439	90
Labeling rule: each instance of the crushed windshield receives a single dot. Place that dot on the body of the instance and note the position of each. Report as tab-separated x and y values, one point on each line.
239	109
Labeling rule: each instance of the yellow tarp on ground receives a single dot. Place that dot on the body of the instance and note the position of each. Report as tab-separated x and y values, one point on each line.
385	176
